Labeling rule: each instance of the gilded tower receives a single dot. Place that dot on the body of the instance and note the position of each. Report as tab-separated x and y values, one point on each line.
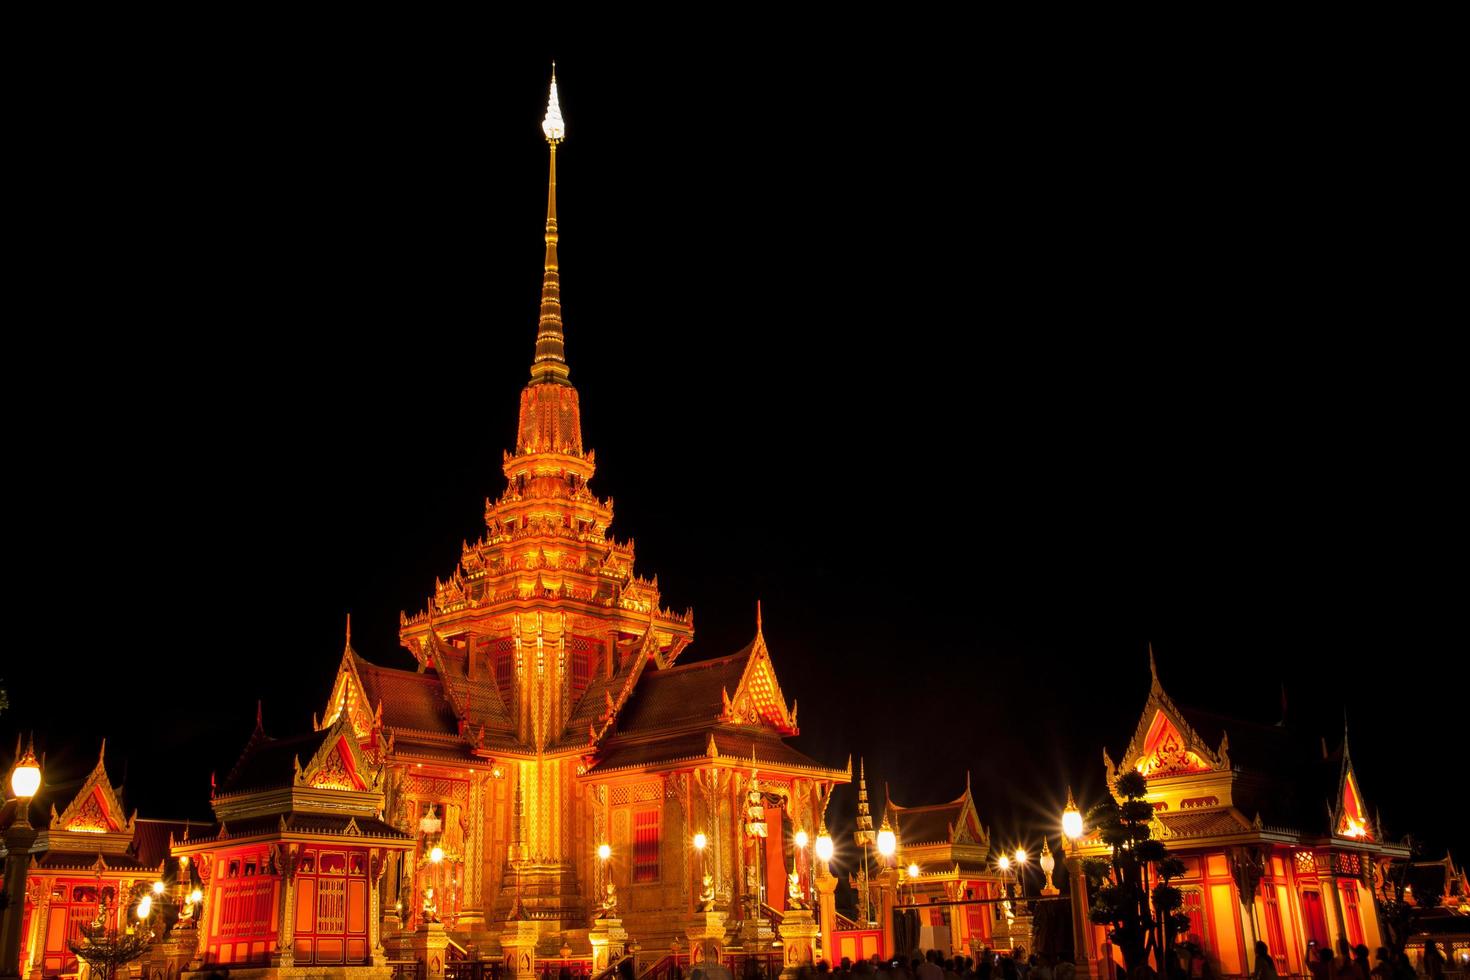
543	602
547	753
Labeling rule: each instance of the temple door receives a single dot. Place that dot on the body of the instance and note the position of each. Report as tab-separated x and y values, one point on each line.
1316	919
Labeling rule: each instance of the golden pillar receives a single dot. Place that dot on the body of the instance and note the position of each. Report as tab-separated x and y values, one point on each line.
826	883
1081	923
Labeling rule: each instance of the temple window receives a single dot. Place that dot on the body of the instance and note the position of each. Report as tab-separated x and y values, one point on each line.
646	827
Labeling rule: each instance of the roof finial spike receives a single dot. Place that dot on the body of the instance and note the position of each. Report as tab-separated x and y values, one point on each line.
1153	667
102	752
259	715
550	365
349	631
757	617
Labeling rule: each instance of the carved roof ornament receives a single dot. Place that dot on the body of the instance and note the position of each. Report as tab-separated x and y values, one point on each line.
96	808
1349	818
338	763
757	699
348	695
1164	744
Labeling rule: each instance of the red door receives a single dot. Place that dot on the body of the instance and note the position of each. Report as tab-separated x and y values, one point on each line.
1316	921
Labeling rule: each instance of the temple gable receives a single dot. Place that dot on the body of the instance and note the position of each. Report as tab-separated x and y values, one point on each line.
95	811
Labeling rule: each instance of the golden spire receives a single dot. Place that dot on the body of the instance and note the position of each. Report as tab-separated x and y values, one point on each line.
550	366
864	834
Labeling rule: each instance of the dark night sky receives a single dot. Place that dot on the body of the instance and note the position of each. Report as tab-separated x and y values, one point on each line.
980	368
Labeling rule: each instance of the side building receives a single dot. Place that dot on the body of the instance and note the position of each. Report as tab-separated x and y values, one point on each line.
1278	841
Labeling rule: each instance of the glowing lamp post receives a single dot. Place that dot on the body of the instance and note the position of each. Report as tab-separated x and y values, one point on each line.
25	783
1077	886
1048	865
824	848
1072	821
25	780
887	843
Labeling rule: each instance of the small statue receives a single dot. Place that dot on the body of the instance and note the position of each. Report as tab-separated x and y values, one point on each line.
794	897
609	906
707	893
431	907
755	811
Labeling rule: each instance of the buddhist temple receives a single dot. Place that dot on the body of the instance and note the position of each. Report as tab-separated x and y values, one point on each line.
535	784
1278	840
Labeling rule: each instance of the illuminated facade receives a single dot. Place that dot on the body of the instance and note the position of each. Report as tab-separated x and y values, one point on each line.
550	712
91	864
948	847
1277	839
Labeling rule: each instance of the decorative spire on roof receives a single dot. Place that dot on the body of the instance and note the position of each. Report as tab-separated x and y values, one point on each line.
550	366
864	833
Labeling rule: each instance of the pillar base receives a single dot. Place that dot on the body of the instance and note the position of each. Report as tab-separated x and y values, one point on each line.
518	941
430	944
799	939
609	941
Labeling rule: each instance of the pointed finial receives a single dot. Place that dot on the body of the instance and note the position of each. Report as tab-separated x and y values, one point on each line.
1071	803
757	617
102	752
550	365
553	126
259	715
1153	667
349	631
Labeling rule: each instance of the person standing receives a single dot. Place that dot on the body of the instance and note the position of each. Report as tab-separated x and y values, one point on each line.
1265	964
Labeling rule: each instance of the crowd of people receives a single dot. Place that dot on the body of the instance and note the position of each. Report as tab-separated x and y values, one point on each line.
933	965
1352	963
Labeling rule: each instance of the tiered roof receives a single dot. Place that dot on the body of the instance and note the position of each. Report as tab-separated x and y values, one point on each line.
944	839
1212	777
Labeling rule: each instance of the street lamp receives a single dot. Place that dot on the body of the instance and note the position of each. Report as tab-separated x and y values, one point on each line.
25	780
887	841
25	783
1048	865
1072	820
825	848
1077	887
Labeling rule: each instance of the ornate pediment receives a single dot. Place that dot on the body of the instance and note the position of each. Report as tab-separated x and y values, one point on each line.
757	698
1165	744
338	763
96	808
348	698
1352	813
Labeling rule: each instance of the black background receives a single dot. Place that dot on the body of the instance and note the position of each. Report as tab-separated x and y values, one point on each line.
981	363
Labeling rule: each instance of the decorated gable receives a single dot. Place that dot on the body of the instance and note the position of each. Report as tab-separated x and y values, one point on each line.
757	699
338	764
349	700
95	811
1164	743
1352	815
1165	752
